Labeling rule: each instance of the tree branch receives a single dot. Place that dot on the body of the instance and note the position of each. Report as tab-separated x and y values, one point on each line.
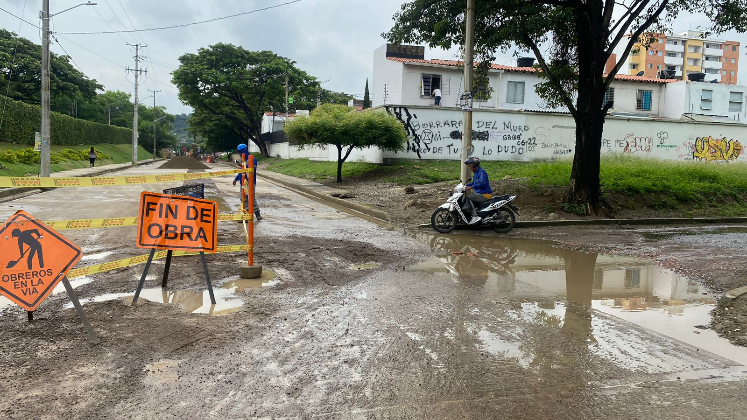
564	97
633	39
646	24
350	149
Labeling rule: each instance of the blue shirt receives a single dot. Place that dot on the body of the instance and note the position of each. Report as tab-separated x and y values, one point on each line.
480	182
239	175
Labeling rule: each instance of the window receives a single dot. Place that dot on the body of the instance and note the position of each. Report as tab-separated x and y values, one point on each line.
609	97
735	101
706	97
732	72
660	54
672	42
482	93
650	52
643	100
671	54
711	71
723	72
632	278
650	65
634	66
733	47
733	60
724	60
515	93
658	66
661	41
726	48
429	83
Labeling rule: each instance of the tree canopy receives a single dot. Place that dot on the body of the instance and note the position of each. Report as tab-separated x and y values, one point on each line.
572	41
346	129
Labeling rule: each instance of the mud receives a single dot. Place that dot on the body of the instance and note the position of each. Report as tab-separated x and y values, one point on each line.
366	322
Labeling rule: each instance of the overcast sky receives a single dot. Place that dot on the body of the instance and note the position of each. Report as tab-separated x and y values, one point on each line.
329	39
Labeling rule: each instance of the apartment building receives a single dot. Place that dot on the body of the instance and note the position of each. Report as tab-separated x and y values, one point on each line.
686	53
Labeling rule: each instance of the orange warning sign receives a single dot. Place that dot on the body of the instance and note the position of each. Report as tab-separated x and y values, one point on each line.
177	222
33	259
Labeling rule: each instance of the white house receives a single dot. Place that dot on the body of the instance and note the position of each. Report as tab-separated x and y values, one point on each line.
402	76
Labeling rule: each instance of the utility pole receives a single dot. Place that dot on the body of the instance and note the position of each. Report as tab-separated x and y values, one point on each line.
469	67
318	96
137	72
46	152
286	96
154	122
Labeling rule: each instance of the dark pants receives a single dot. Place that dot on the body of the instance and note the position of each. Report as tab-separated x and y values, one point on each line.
475	198
438	101
92	160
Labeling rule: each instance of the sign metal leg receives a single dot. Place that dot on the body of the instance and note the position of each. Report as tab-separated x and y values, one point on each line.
30	315
165	280
79	310
207	278
142	278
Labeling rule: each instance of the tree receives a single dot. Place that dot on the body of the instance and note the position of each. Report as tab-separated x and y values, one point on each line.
366	97
22	75
572	40
238	86
346	129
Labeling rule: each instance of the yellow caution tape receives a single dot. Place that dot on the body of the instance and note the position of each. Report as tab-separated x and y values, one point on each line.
105	181
141	259
120	222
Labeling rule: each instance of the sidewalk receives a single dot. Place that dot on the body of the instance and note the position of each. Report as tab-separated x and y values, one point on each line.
13	193
321	192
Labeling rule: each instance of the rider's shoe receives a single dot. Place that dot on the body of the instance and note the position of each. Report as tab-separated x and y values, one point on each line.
474	220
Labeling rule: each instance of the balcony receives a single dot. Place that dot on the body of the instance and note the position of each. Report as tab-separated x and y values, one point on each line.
674	48
718	52
673	61
707	64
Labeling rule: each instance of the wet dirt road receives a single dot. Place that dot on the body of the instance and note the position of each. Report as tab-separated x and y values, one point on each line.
364	322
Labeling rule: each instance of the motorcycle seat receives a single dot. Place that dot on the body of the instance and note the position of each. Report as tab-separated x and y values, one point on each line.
492	200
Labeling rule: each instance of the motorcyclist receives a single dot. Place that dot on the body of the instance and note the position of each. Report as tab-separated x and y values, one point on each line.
477	191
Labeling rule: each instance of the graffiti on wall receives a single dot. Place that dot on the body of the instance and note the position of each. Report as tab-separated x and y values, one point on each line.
436	138
715	149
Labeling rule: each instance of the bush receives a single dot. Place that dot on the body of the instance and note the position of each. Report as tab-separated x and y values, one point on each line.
21	121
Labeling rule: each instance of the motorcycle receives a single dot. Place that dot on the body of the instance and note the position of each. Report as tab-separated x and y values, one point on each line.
497	213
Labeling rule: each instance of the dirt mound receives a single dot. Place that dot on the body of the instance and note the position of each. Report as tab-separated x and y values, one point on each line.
183	162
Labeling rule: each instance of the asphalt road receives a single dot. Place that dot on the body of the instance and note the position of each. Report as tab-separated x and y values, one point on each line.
366	322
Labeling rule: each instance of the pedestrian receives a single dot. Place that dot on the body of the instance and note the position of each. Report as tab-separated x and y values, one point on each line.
92	157
437	95
244	151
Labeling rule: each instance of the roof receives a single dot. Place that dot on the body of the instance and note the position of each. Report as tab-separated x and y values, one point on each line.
278	114
457	63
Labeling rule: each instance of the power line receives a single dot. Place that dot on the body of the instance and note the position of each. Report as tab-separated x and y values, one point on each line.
96	54
20	18
108	24
68	55
120	20
187	24
127	15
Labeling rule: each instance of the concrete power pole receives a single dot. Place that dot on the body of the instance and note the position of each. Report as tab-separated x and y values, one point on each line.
469	67
137	72
46	152
154	121
318	96
286	96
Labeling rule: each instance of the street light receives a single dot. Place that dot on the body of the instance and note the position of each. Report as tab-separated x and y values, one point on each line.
46	147
319	92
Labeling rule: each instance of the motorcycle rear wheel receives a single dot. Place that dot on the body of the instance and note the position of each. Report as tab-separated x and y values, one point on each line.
443	221
505	221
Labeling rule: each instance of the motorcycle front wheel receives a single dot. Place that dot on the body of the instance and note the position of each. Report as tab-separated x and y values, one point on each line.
505	220
443	221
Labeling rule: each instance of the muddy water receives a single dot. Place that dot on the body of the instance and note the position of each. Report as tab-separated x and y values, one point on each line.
586	295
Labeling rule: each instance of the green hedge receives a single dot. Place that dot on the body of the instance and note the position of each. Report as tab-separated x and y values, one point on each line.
22	120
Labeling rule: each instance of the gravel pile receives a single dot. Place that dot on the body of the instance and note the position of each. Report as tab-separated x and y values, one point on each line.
183	162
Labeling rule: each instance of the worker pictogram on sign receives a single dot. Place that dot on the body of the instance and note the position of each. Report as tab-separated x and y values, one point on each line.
175	223
34	258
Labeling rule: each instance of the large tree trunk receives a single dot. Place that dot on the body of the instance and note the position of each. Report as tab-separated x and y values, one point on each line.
584	186
339	163
263	150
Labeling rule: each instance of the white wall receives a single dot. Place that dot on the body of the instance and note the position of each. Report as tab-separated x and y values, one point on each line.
319	153
386	72
435	133
267	123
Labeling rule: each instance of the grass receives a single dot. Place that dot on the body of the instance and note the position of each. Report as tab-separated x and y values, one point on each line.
672	182
118	153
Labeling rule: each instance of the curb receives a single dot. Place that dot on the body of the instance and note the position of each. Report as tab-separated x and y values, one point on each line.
600	222
14	193
378	214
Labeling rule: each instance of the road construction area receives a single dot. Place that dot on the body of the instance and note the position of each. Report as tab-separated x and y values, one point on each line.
355	318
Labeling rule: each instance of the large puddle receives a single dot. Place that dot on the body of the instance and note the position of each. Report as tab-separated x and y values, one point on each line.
582	293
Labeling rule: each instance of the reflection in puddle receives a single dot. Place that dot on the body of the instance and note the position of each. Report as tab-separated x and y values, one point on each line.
196	301
362	267
588	297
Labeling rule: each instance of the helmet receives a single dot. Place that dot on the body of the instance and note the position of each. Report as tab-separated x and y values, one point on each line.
472	161
242	148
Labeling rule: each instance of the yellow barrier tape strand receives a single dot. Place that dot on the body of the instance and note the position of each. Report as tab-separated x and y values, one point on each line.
141	259
120	222
105	181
